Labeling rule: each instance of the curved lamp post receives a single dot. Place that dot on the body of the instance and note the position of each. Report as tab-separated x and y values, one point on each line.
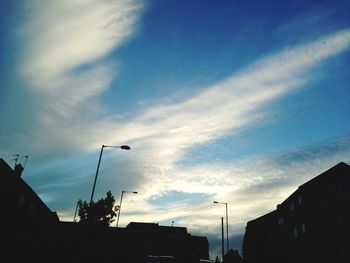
216	202
123	147
76	210
120	204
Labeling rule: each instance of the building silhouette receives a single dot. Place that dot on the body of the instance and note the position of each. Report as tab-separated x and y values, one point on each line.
311	225
232	256
31	232
131	244
26	223
152	239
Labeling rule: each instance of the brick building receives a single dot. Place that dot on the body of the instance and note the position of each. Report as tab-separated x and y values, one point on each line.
30	231
311	225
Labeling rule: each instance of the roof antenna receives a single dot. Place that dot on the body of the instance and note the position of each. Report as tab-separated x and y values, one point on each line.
16	159
25	162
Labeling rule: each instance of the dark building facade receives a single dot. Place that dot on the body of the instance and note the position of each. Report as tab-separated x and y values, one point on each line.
31	232
26	223
232	256
152	239
311	225
19	201
131	244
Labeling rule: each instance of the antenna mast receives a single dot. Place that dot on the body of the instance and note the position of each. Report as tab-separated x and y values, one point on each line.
16	159
25	162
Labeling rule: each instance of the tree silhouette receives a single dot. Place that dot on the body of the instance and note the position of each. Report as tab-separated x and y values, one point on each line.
102	212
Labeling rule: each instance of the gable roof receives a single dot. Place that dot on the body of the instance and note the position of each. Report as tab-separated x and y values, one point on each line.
13	186
340	170
338	173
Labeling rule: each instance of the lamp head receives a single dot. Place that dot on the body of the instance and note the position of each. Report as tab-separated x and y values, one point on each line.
125	147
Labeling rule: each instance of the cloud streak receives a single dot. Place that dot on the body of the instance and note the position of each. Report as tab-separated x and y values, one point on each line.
162	134
64	59
66	67
225	108
65	35
235	102
252	187
64	63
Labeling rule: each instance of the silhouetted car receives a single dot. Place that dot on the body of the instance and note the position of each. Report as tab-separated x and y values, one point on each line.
160	259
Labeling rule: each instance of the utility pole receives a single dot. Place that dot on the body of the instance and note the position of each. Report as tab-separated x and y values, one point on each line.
227	242
76	209
222	238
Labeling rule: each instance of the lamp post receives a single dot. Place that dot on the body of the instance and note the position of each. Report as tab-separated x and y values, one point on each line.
123	147
227	242
76	209
120	204
222	239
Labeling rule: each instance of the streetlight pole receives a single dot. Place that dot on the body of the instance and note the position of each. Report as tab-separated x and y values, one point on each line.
120	204
123	147
222	239
227	242
76	209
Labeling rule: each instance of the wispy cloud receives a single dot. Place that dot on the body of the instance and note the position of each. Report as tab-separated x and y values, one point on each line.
66	67
235	102
65	64
167	131
162	133
65	53
65	35
267	176
252	187
307	24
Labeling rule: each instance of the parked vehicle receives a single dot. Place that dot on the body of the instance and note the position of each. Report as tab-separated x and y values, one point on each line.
160	259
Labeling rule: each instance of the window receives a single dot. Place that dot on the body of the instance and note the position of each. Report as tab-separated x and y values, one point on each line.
300	200
332	189
316	224
295	233
31	209
303	228
291	206
280	220
20	201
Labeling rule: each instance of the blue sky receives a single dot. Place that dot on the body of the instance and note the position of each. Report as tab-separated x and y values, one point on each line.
234	101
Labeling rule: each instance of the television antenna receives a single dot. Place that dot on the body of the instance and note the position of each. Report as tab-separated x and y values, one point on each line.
16	159
25	162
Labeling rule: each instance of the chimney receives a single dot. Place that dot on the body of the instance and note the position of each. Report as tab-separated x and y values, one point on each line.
18	170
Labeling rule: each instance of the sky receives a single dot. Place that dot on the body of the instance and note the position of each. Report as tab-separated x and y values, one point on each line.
232	101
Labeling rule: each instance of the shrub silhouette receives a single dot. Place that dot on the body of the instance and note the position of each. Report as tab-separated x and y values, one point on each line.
102	212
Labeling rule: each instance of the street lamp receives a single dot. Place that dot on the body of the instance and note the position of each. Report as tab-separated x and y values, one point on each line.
76	209
123	147
120	204
216	202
